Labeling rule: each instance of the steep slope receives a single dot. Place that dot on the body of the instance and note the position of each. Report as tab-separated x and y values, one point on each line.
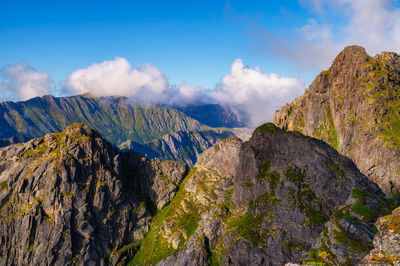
280	197
216	115
115	118
73	198
355	107
182	146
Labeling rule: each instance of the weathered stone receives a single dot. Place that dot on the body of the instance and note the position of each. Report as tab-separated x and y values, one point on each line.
354	107
386	242
73	198
267	201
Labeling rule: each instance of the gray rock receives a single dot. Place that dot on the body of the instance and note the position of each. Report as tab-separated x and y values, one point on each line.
269	201
353	106
73	198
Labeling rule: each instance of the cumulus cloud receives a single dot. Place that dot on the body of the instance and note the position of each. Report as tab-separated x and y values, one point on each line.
374	24
259	93
118	77
20	81
144	83
249	88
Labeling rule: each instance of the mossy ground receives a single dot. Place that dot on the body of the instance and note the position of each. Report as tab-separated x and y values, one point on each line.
249	227
391	223
182	222
267	128
305	197
327	131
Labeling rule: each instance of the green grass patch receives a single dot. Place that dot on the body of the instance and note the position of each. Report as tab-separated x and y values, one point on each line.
154	247
249	185
315	216
263	169
327	131
248	226
365	211
335	168
267	128
4	185
294	175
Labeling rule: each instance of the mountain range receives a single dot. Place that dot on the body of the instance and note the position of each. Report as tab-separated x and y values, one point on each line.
119	120
318	186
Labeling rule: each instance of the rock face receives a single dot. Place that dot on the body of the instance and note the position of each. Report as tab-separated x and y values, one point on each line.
72	198
354	106
280	197
386	241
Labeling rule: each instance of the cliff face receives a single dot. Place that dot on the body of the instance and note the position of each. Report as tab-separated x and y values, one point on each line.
71	197
280	197
354	107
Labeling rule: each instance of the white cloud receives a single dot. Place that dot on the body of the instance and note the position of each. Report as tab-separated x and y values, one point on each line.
118	77
21	81
258	92
373	24
144	84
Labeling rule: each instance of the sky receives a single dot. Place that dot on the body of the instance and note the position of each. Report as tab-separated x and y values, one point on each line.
257	54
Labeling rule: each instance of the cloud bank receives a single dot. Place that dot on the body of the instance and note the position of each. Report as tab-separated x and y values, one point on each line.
21	81
373	24
258	92
249	88
144	83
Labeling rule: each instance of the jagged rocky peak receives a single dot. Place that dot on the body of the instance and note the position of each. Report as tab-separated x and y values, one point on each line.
280	197
72	198
354	107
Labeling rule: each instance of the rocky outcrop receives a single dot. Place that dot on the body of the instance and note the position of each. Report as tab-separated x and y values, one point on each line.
386	242
73	198
280	197
354	107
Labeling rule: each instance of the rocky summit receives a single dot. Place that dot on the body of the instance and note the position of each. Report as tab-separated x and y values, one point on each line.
354	106
72	198
280	197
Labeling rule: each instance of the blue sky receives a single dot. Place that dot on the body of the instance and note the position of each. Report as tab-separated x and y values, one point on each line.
191	41
257	54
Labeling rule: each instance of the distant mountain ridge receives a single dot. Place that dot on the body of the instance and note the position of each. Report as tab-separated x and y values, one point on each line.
179	146
216	115
116	118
